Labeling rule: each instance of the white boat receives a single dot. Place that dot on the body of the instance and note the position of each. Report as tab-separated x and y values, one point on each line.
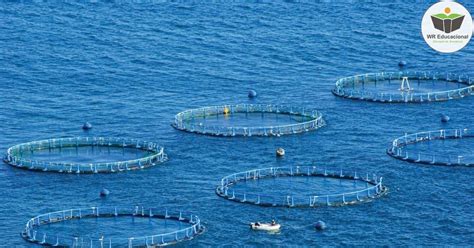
265	226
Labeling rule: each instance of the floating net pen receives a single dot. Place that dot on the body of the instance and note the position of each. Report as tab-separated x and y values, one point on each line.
402	148
249	120
405	87
23	155
365	187
190	227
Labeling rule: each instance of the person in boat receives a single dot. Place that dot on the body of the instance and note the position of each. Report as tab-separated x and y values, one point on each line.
257	223
273	223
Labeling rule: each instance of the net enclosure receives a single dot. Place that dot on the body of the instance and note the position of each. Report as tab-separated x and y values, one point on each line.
48	229
85	155
405	87
300	186
249	120
450	147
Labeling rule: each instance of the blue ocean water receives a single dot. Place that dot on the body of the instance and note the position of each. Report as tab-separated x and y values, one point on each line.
129	67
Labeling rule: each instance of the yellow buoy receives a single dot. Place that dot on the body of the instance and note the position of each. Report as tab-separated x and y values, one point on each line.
226	110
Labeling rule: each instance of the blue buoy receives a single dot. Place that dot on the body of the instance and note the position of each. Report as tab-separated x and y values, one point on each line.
252	94
402	63
320	225
104	192
444	118
87	126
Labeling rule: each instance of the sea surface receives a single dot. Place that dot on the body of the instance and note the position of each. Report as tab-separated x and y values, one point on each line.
129	67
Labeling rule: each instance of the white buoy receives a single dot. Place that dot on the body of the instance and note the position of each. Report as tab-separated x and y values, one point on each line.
280	152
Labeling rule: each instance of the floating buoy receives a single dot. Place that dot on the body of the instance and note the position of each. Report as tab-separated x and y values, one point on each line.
226	110
104	192
252	94
280	152
402	63
445	118
87	126
320	225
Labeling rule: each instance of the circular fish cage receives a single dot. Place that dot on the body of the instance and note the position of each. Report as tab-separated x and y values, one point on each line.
248	120
405	87
267	187
419	147
36	155
43	229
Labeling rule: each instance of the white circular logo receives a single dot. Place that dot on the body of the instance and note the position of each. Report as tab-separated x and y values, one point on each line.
447	27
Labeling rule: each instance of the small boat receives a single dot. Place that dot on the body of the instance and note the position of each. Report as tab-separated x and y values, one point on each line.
265	226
